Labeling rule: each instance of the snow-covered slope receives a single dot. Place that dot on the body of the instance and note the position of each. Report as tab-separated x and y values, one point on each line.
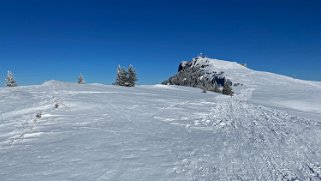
160	132
267	88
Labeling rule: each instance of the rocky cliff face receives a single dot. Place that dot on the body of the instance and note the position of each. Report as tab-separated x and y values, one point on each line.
199	72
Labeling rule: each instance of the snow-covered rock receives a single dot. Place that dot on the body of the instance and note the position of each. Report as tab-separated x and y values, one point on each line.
193	73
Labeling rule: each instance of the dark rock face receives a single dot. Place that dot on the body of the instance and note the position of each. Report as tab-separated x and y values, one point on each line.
182	65
195	74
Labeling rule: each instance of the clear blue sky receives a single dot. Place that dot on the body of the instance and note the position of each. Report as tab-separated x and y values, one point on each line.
57	39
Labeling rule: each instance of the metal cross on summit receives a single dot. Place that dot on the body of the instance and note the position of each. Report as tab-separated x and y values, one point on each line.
201	55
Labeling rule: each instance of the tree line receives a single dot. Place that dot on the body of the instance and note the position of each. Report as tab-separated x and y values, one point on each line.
124	77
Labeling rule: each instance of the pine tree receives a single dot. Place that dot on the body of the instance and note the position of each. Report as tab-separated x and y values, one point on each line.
121	77
81	79
10	81
227	89
132	76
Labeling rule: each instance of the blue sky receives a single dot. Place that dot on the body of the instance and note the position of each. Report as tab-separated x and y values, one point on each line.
43	40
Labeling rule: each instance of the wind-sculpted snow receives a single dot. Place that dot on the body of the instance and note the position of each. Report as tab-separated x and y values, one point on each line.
152	133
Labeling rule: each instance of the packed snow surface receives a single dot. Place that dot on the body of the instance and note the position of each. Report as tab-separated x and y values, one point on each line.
270	130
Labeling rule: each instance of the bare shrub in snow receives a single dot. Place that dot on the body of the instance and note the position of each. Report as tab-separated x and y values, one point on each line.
227	89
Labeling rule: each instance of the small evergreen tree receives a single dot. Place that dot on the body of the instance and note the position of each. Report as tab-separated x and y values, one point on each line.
121	77
227	89
10	81
132	76
125	77
81	79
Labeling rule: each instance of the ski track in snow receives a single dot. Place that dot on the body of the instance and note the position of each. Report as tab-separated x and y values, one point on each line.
114	134
244	120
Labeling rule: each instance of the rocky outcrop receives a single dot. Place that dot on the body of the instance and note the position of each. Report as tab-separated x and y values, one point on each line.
198	73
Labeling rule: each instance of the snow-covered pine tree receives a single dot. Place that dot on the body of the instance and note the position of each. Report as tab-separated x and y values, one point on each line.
132	76
227	89
81	79
121	77
10	81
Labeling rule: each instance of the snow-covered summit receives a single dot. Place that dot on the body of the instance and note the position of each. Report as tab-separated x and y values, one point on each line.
218	65
238	72
200	72
214	67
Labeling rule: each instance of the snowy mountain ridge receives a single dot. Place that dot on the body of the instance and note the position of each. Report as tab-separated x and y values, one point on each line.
285	89
235	71
232	70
